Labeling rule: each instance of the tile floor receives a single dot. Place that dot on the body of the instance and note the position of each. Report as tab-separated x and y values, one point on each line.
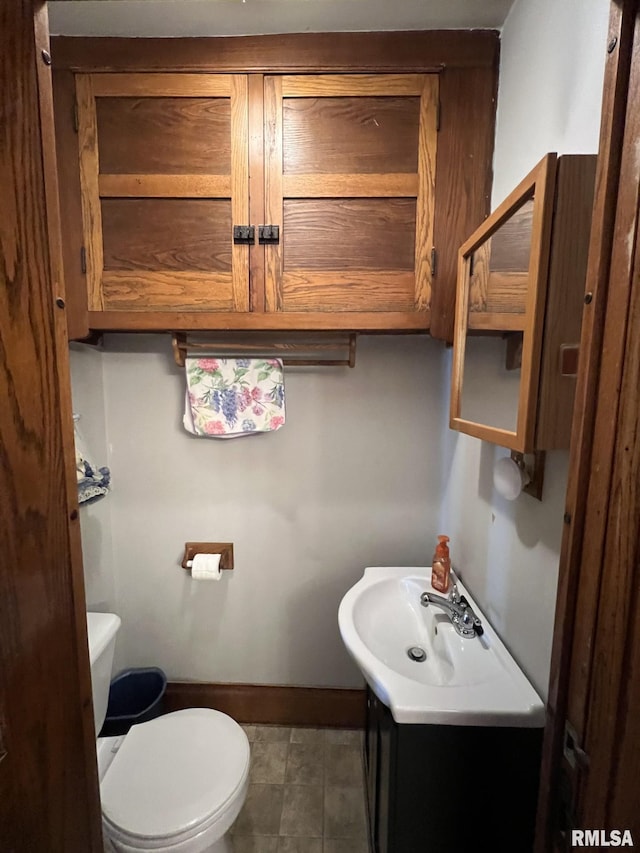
306	793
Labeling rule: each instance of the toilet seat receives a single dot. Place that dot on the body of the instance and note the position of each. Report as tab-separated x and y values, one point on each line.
175	777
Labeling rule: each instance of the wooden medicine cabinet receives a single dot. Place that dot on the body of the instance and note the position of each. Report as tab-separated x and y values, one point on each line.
519	305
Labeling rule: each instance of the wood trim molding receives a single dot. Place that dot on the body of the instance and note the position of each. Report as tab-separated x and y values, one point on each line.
162	85
346	86
273	190
164	186
69	198
182	320
425	203
89	188
382	51
240	187
276	705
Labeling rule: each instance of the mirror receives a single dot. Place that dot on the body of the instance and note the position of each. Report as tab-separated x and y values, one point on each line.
499	316
498	282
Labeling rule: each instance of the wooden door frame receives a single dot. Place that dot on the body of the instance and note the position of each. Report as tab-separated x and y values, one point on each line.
589	508
49	797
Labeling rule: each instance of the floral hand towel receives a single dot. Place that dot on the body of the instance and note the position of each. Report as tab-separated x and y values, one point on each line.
93	482
230	397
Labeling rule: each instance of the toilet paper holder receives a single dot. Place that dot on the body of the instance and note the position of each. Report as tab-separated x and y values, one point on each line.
225	549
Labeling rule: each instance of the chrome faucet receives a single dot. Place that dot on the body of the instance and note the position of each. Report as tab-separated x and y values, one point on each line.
459	610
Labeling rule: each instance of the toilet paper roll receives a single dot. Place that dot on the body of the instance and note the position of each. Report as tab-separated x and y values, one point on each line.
206	567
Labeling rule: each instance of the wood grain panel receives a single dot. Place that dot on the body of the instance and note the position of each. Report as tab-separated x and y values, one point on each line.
507	292
376	234
427	146
167	291
463	168
478	267
273	705
240	187
350	86
511	245
162	85
70	204
184	136
165	186
185	320
90	193
48	779
166	234
495	322
499	292
353	186
350	134
383	51
255	94
350	290
273	189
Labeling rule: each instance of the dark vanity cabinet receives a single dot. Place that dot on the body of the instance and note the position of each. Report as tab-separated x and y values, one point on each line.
445	789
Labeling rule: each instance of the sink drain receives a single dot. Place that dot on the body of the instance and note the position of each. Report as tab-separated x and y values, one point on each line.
416	654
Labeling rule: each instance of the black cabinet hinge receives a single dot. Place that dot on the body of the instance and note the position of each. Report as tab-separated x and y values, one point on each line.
76	119
83	260
434	262
438	116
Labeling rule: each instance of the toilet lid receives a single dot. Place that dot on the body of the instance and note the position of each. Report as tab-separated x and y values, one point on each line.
175	773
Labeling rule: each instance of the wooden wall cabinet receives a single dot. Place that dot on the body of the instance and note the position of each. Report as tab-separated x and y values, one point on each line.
521	285
340	153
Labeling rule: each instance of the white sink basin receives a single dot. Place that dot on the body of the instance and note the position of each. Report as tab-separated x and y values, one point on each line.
462	681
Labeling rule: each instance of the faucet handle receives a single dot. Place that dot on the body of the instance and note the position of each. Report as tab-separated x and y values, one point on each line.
454	595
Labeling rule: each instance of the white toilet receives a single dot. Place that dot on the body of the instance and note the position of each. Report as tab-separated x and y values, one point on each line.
173	785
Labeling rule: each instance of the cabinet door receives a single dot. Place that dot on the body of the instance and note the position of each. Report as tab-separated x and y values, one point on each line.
502	291
349	180
164	177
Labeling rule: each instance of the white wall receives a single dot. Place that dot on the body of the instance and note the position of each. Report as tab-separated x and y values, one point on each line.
549	99
95	518
351	480
170	18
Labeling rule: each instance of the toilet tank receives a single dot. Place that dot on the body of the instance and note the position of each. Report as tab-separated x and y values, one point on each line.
102	629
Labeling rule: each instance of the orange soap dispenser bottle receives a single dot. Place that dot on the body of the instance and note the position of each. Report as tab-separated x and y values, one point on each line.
441	566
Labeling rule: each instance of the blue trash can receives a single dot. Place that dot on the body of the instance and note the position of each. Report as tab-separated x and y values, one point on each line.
135	696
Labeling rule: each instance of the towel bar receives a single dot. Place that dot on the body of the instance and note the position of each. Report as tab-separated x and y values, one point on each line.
294	353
